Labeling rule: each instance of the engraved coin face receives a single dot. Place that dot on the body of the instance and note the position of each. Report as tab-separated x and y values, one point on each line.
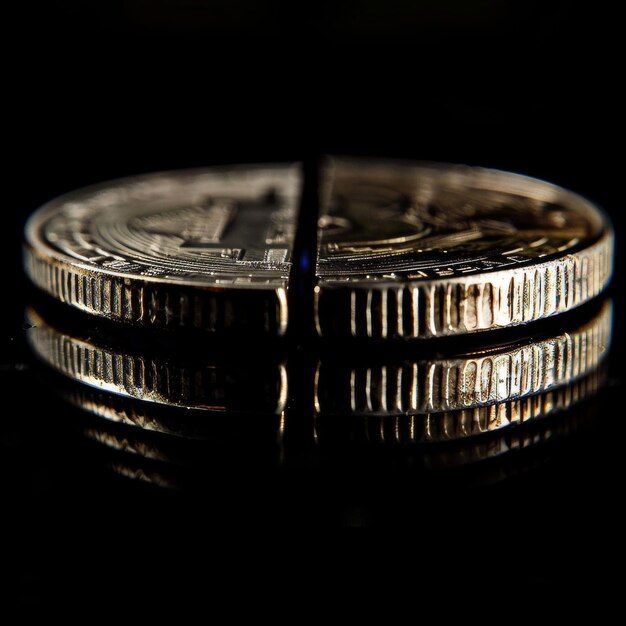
404	250
205	248
423	250
446	227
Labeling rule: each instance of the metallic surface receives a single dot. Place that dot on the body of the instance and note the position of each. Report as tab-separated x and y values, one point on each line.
431	397
411	250
405	250
160	418
207	383
472	385
182	463
208	249
448	426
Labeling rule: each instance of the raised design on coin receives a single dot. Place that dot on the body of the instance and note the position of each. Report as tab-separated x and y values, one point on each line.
209	249
405	250
411	250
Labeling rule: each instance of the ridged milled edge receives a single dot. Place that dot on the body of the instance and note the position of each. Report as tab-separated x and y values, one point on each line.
145	378
454	425
444	307
465	382
167	305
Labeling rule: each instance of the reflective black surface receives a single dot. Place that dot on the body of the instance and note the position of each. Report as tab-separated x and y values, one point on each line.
543	518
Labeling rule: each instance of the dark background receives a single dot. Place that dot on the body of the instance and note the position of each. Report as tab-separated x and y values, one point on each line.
112	89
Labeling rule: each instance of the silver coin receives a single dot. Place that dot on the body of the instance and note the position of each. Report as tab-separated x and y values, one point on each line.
210	248
163	461
409	250
405	250
204	382
447	397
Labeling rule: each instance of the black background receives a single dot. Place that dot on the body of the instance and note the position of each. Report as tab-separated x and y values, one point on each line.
107	90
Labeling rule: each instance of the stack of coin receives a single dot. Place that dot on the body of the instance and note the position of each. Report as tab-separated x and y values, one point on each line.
430	292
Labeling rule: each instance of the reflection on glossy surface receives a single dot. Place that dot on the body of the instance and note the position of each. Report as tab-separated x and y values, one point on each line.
176	378
460	429
442	412
190	423
414	384
246	445
168	446
173	462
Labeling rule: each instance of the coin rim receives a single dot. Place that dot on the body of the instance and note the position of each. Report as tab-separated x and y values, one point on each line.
62	277
481	299
473	380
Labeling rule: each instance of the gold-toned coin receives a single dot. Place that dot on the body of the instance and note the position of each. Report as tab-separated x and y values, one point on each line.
409	250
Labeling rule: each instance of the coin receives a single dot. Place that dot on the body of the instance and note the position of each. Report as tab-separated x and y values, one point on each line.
215	380
173	462
451	439
405	250
442	396
171	418
410	250
445	397
209	249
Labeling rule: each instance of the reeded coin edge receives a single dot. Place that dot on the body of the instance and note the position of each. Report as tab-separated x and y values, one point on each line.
160	303
437	385
441	427
143	299
132	376
444	307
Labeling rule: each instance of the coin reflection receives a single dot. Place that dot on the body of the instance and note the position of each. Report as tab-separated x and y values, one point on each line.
462	394
172	462
458	438
229	443
186	374
181	418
